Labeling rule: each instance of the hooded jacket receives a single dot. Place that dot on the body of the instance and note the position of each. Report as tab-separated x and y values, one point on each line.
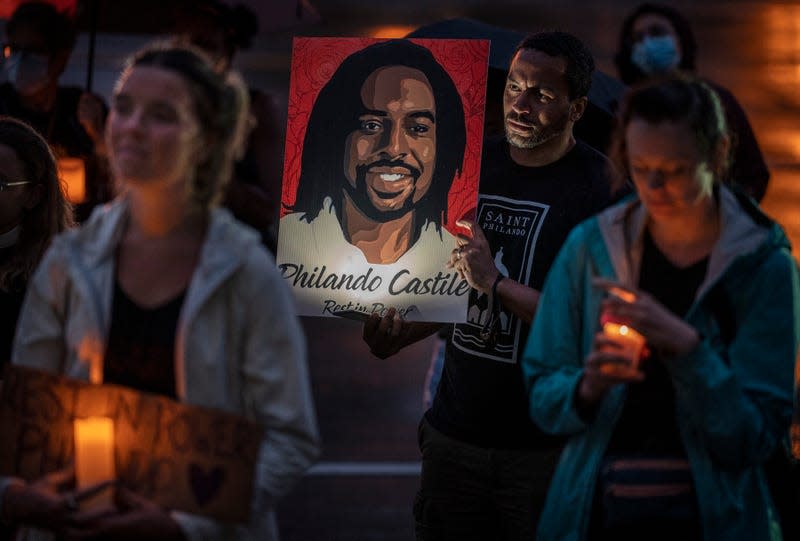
239	346
733	394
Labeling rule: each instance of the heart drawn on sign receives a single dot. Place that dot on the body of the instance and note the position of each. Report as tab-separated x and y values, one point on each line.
205	485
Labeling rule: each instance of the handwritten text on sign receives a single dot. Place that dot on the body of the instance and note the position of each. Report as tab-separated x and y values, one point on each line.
182	457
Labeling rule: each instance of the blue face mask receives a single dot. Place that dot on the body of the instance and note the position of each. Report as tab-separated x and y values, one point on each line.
656	54
27	72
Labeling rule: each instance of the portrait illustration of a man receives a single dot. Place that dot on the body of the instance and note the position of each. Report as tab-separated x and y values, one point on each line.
384	142
373	149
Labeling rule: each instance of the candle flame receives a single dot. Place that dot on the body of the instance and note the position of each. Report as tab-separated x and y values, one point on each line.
90	352
72	173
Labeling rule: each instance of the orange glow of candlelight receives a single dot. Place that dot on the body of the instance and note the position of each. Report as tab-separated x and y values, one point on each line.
622	294
631	342
72	172
94	457
90	351
390	31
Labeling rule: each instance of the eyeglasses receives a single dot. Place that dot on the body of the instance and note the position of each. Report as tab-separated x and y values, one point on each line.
6	185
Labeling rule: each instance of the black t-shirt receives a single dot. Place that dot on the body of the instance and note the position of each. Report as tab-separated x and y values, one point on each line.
526	214
141	345
647	425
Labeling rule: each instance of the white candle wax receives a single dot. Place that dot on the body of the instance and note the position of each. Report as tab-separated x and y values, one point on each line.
630	342
72	172
94	456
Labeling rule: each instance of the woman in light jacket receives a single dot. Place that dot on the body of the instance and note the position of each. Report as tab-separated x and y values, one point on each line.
710	283
226	335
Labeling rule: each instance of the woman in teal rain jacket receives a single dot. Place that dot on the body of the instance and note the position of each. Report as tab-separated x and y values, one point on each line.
710	283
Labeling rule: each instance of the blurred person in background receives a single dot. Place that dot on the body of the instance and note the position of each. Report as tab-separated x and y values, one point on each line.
39	41
656	40
254	193
32	211
163	252
675	447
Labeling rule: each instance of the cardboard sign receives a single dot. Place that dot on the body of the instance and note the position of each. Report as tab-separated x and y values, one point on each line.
182	457
382	158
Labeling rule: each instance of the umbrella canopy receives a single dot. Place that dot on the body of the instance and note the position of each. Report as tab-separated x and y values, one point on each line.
7	7
605	91
597	122
158	16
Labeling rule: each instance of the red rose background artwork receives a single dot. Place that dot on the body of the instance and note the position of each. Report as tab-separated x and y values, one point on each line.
314	60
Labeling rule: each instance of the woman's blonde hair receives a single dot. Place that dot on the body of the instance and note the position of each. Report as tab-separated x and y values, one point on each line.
217	108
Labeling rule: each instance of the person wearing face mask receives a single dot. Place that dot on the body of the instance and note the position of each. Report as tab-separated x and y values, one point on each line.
27	71
655	41
39	40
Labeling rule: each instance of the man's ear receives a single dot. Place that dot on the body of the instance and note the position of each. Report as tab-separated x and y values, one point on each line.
577	107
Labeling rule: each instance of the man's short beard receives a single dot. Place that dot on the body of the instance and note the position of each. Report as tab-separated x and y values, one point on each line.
539	137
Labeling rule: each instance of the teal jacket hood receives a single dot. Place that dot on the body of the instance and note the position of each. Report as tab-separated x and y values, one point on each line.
733	393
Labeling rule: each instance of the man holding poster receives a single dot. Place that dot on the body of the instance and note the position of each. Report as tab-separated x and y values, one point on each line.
485	465
384	143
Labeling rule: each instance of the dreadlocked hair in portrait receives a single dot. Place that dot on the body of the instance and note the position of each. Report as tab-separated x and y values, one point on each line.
336	114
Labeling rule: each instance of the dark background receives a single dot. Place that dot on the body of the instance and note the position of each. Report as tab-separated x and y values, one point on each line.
368	409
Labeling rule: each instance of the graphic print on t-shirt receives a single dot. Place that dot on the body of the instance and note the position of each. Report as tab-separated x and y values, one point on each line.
512	228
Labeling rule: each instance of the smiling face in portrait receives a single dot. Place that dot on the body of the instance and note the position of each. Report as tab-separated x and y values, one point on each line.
390	158
153	133
670	175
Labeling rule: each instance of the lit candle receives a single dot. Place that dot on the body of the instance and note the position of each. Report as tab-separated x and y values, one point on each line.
630	342
94	456
72	172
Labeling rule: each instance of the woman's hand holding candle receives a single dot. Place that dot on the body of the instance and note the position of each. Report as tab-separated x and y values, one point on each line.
663	330
628	316
603	368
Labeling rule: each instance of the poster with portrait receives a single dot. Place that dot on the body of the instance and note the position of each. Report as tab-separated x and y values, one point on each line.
382	159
